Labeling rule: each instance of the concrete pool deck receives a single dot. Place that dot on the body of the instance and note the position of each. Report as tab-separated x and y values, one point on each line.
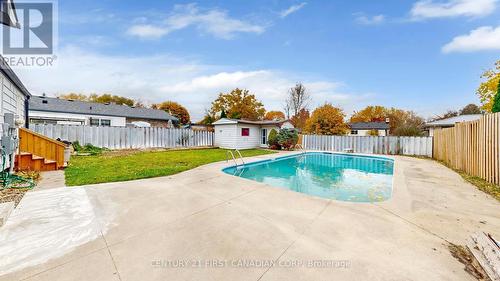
203	224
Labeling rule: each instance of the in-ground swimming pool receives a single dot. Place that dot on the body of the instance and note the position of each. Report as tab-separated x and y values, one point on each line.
335	176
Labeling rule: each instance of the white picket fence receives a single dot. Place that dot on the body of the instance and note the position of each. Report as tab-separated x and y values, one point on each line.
420	146
126	138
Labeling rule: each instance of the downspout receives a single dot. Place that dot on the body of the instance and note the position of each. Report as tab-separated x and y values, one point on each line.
26	112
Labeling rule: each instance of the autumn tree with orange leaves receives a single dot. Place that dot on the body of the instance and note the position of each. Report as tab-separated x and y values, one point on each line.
370	114
238	104
327	120
299	120
400	121
175	109
274	115
104	98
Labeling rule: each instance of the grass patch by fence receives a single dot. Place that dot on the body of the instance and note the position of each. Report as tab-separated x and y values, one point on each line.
110	167
490	188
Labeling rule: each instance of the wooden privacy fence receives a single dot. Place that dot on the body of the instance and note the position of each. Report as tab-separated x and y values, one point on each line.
126	138
421	146
473	147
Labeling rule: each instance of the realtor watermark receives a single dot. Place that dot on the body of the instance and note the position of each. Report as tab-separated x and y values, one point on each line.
249	263
29	38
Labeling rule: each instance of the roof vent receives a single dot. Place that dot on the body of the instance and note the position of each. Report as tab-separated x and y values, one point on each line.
70	100
45	101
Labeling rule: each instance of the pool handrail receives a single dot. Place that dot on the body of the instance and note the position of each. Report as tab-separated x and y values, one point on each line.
241	157
229	152
298	145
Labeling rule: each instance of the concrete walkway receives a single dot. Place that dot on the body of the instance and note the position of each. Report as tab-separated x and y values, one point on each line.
205	225
51	179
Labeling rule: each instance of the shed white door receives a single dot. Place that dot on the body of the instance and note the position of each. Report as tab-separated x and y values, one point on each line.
263	139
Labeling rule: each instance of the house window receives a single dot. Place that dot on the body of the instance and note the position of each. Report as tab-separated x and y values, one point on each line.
94	122
354	132
100	122
105	122
264	136
42	121
245	132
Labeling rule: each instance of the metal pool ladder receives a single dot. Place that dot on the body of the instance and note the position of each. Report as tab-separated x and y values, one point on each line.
230	153
299	146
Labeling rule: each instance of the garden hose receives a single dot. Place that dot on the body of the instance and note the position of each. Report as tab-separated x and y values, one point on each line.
8	180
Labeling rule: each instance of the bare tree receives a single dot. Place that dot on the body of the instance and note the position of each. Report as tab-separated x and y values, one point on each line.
286	108
448	114
298	98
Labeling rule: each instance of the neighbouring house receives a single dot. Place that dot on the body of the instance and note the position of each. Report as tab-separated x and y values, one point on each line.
15	96
244	134
199	127
47	110
450	122
369	128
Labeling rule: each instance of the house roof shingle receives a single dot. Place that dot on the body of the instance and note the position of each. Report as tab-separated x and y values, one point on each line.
369	126
450	122
40	103
262	122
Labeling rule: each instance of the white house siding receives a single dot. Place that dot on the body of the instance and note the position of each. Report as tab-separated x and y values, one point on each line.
362	133
287	125
225	136
12	100
251	141
65	117
229	136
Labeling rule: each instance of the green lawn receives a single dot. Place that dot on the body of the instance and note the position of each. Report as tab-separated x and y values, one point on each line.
123	166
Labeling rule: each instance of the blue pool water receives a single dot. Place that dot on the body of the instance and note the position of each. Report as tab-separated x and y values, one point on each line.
336	176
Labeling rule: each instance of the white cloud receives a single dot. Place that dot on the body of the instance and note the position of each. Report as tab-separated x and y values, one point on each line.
163	77
147	31
452	8
369	20
480	39
269	86
292	9
215	22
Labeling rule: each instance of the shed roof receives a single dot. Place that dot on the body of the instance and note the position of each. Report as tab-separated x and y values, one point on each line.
40	103
369	126
225	121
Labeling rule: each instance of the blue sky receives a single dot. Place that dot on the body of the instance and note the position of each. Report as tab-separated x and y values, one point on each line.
425	56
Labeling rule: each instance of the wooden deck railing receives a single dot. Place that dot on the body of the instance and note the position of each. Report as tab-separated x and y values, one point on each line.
42	146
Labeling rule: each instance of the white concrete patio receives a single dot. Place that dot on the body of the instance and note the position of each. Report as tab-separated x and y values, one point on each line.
204	225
